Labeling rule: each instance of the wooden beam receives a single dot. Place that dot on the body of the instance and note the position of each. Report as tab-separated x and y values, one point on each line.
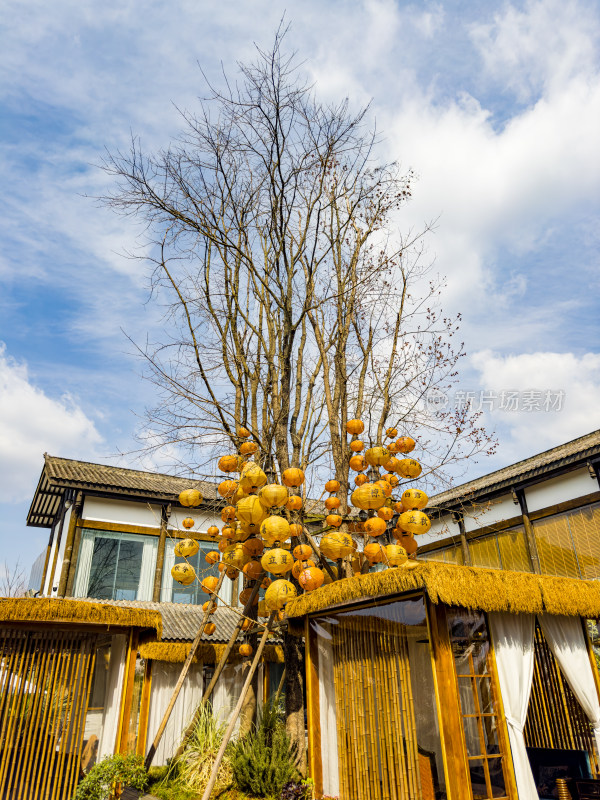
464	545
529	533
144	710
67	573
165	513
127	694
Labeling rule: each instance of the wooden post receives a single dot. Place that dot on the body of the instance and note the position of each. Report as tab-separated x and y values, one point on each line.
464	545
140	747
182	675
294	691
165	513
62	514
123	736
529	532
236	711
69	546
219	668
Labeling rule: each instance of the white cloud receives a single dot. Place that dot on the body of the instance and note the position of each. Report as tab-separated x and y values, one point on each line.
573	410
32	423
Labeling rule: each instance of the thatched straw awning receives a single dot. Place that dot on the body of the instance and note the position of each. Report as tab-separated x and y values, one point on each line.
469	587
84	612
177	652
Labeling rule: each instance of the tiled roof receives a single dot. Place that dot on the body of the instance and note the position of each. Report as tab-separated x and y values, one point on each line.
181	621
571	453
62	475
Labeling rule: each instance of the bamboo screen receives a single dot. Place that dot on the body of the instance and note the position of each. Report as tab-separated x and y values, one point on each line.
45	681
505	550
386	716
555	719
569	544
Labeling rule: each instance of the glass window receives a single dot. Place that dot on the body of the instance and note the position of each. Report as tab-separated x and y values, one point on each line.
513	550
485	553
379	702
471	650
116	566
450	555
173	592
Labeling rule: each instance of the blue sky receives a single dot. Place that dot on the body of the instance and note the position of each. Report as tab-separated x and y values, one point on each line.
495	105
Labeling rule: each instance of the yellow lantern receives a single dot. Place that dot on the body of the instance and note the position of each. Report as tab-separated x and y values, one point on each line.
336	545
190	498
275	529
391	433
375	526
368	497
293	477
252	477
278	594
332	486
392	464
231	572
213	531
229	463
376	456
252	570
184	574
332	502
250	513
414	499
385	487
245	596
415	522
405	444
209	584
247	624
356	446
228	531
295	529
392	447
243	433
301	565
355	426
209	628
209	606
228	514
273	495
358	463
333	520
374	553
407	540
386	513
254	547
224	543
277	561
393	480
188	523
245	650
235	556
248	448
262	609
186	548
395	555
212	557
409	468
227	488
360	479
302	551
311	578
294	503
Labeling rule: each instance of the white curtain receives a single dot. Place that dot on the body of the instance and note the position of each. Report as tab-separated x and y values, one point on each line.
328	722
84	564
567	642
112	697
148	569
513	637
164	678
227	692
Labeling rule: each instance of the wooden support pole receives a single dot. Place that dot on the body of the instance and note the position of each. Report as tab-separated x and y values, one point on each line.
236	711
182	675
219	668
529	532
464	544
69	546
165	513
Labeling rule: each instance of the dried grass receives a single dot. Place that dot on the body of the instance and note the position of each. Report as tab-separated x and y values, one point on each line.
469	587
47	609
207	653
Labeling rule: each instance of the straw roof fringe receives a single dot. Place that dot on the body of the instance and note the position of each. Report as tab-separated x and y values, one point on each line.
469	587
46	609
177	652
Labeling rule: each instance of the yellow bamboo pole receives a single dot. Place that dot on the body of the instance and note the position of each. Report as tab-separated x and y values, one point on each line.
13	712
364	741
19	712
378	657
72	690
339	709
352	763
55	701
83	708
370	708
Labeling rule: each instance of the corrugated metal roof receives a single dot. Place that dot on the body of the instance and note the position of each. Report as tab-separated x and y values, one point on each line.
571	453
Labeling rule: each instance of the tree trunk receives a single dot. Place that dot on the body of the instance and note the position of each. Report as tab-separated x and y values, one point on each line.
294	696
248	712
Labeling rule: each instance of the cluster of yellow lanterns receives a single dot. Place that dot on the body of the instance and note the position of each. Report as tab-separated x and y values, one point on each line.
260	518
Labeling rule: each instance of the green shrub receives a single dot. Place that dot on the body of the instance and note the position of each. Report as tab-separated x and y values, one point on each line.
129	770
265	760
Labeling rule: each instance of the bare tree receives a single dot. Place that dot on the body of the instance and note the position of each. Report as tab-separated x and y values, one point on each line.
13	580
292	302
